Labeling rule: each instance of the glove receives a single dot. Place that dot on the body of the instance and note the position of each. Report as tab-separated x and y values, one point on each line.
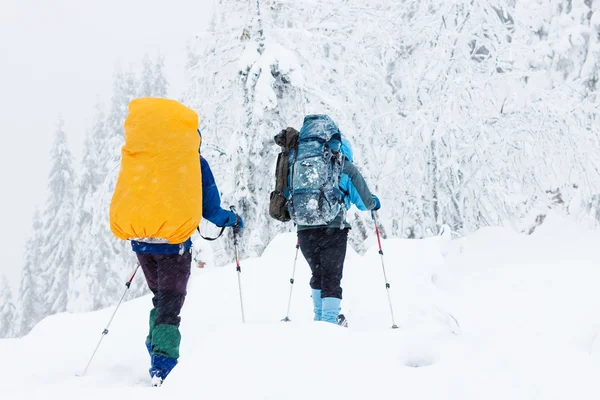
239	222
238	225
377	203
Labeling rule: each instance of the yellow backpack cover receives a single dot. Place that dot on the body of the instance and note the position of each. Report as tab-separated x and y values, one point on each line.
158	195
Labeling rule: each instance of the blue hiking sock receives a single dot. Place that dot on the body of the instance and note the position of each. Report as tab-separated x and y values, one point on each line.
331	309
317	304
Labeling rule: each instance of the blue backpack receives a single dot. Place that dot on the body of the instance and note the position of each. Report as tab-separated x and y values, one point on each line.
316	166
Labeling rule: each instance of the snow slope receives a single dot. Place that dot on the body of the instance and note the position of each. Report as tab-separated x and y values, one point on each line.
528	310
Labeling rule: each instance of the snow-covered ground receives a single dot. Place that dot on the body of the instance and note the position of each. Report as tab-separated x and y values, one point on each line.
527	307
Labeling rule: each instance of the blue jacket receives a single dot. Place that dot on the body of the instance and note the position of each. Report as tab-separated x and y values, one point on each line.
211	210
352	195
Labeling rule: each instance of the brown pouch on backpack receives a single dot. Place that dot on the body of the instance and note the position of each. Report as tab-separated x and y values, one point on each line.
287	139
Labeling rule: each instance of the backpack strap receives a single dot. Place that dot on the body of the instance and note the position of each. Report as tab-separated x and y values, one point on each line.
345	193
209	238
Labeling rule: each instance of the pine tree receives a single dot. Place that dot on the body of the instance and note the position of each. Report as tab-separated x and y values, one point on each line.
147	78
58	244
159	81
33	287
83	279
7	309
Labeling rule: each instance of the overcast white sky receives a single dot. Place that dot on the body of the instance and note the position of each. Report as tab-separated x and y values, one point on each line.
57	58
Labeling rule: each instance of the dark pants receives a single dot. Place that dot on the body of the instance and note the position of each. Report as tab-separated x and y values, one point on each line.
167	276
325	251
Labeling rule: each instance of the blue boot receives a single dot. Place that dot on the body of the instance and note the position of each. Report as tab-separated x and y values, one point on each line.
161	367
331	310
317	303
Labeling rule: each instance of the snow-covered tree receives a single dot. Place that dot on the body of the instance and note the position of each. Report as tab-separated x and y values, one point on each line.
147	78
57	238
7	309
476	144
160	85
33	287
84	281
214	91
563	43
153	82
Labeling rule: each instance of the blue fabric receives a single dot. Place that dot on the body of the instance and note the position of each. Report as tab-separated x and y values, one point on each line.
331	309
157	248
162	366
211	200
347	149
317	303
377	203
351	195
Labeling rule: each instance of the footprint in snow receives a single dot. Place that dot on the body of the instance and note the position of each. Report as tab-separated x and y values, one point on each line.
420	361
419	354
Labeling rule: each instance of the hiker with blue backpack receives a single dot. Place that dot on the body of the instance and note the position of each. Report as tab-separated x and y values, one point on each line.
316	183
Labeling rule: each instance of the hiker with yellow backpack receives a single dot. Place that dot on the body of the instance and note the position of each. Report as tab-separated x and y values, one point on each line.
163	190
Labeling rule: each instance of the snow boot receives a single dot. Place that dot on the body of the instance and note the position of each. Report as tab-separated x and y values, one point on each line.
155	381
317	304
342	321
161	367
331	310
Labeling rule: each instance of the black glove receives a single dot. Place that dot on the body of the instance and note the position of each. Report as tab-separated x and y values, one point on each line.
377	203
238	225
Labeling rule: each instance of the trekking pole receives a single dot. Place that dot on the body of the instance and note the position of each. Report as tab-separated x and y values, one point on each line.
387	285
238	267
105	331
287	316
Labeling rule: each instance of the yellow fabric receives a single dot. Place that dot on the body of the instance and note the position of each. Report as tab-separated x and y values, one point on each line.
158	193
